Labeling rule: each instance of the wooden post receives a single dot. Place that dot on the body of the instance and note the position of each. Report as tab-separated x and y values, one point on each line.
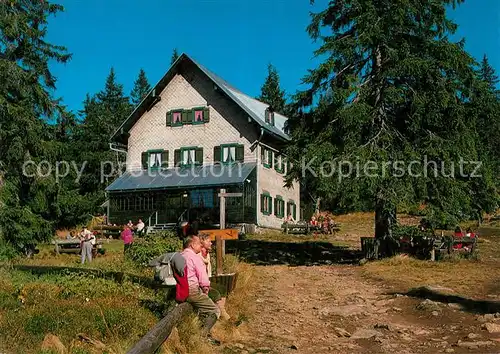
433	254
222	219
222	222
160	332
218	246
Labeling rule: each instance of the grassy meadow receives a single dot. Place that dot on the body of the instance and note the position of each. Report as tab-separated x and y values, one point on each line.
89	312
110	314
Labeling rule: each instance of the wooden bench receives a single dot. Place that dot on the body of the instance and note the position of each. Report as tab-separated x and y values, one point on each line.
446	244
306	228
73	246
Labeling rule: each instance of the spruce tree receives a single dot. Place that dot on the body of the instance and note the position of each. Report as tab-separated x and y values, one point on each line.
487	104
102	114
488	75
175	55
400	92
26	84
271	92
141	88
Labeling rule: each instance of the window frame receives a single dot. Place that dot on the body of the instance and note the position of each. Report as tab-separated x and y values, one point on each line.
270	156
177	124
194	110
189	148
222	146
269	117
279	201
291	203
279	163
155	151
266	196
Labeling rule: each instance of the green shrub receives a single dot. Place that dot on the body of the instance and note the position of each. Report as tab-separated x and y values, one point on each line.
145	249
7	250
39	324
399	231
8	301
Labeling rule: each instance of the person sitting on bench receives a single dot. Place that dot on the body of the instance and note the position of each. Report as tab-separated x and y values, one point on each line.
458	232
140	228
199	284
216	293
469	233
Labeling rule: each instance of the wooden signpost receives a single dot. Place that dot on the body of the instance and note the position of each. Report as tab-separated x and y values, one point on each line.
223	235
220	236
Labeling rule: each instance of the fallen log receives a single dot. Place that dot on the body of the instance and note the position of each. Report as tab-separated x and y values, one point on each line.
160	332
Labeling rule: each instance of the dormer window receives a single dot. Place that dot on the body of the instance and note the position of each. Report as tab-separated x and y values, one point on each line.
266	156
269	116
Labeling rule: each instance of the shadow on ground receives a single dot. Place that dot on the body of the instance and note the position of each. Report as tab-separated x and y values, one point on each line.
295	254
118	277
469	305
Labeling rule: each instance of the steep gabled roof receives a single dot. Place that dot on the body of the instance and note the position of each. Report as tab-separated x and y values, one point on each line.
254	108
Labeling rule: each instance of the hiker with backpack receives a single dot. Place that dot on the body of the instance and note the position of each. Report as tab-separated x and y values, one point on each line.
170	269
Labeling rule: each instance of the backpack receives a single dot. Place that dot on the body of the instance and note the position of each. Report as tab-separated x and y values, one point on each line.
164	268
182	286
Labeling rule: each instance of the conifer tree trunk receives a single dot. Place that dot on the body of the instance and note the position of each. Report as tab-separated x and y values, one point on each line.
385	218
316	207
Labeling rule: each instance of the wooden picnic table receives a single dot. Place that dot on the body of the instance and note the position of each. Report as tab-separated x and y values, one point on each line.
306	228
73	246
429	245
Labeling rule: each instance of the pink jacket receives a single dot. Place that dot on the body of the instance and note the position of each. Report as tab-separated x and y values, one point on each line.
196	270
127	236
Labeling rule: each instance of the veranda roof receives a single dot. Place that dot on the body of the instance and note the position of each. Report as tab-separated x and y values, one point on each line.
198	176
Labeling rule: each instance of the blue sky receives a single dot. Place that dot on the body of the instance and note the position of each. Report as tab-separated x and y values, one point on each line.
236	39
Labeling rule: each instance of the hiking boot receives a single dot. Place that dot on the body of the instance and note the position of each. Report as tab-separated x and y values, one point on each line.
213	341
222	307
208	323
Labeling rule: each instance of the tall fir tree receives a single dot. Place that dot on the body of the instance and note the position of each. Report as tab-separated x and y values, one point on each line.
487	104
102	114
175	55
141	88
488	75
26	83
271	92
401	93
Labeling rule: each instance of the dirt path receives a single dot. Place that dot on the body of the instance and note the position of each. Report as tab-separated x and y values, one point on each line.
332	309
